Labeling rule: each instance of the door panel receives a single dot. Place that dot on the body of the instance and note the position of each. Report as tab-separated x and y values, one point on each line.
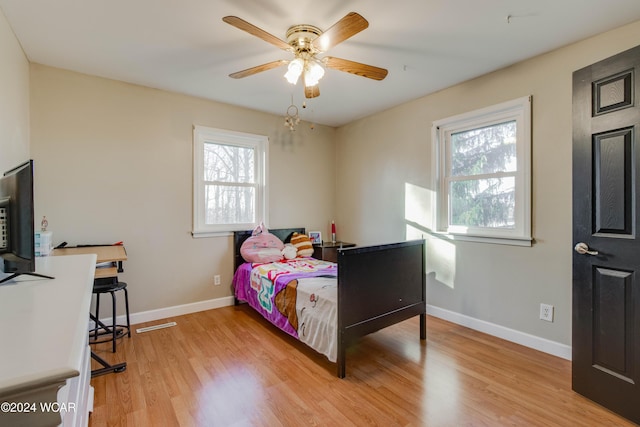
611	314
606	283
613	180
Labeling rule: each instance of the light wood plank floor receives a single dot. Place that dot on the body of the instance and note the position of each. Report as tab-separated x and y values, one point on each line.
228	367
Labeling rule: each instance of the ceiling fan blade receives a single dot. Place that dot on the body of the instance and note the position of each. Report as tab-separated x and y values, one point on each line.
255	70
311	91
347	27
364	70
258	32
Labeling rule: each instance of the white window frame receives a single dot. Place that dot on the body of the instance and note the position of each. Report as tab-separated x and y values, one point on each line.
202	135
518	110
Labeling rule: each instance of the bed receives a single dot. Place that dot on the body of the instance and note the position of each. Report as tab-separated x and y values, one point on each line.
368	289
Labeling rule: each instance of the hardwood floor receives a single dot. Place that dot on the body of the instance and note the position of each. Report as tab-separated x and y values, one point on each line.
228	367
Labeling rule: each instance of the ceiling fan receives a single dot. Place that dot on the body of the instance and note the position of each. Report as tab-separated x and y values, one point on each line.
306	42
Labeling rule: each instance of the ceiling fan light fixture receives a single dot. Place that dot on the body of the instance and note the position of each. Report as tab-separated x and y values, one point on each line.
294	71
313	72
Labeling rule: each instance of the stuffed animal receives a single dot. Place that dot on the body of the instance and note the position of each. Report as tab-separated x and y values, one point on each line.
289	251
262	246
302	244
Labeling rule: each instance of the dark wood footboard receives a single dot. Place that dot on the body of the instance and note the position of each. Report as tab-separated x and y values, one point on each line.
379	286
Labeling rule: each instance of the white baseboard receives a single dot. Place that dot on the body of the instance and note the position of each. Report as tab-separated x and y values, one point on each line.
522	338
163	313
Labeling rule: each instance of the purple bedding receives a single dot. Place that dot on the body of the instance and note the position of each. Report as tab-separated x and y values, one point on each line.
298	296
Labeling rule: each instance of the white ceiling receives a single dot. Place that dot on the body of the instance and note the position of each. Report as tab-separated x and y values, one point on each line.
183	45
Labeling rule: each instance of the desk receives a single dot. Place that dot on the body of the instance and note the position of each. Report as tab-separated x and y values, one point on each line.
114	254
45	351
108	253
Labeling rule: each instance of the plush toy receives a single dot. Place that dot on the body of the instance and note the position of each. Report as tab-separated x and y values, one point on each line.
262	246
289	251
302	244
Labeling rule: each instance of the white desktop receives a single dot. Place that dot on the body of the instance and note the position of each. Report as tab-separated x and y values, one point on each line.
45	356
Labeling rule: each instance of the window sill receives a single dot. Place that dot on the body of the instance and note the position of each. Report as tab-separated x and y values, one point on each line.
203	234
511	241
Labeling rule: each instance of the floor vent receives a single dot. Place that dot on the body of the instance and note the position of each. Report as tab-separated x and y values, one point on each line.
153	328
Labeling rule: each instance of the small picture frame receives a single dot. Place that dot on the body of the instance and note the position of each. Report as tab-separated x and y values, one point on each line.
315	237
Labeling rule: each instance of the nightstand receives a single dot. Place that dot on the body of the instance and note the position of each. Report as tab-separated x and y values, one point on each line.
328	251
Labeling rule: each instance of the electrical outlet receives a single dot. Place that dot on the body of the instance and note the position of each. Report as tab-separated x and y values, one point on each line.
546	312
216	279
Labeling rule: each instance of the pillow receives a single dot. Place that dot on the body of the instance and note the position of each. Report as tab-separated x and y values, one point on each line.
302	244
262	246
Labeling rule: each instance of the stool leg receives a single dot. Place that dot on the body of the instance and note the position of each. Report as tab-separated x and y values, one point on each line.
126	305
115	329
95	333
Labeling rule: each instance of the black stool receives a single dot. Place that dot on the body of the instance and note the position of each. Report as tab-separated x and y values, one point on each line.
102	286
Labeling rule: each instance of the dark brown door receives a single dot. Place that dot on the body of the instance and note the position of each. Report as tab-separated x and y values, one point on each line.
606	209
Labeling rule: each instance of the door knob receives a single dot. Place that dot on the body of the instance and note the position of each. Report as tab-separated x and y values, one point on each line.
583	249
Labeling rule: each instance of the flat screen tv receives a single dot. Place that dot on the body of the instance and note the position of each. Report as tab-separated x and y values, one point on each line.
17	246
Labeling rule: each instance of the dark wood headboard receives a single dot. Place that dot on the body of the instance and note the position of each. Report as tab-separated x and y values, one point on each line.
239	237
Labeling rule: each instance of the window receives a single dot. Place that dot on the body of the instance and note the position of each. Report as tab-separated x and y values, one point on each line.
484	174
229	183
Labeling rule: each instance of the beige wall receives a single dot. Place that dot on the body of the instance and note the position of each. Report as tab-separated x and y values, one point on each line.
114	162
384	174
14	99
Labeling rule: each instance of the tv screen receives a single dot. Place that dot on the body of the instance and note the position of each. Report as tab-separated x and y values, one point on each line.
17	246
